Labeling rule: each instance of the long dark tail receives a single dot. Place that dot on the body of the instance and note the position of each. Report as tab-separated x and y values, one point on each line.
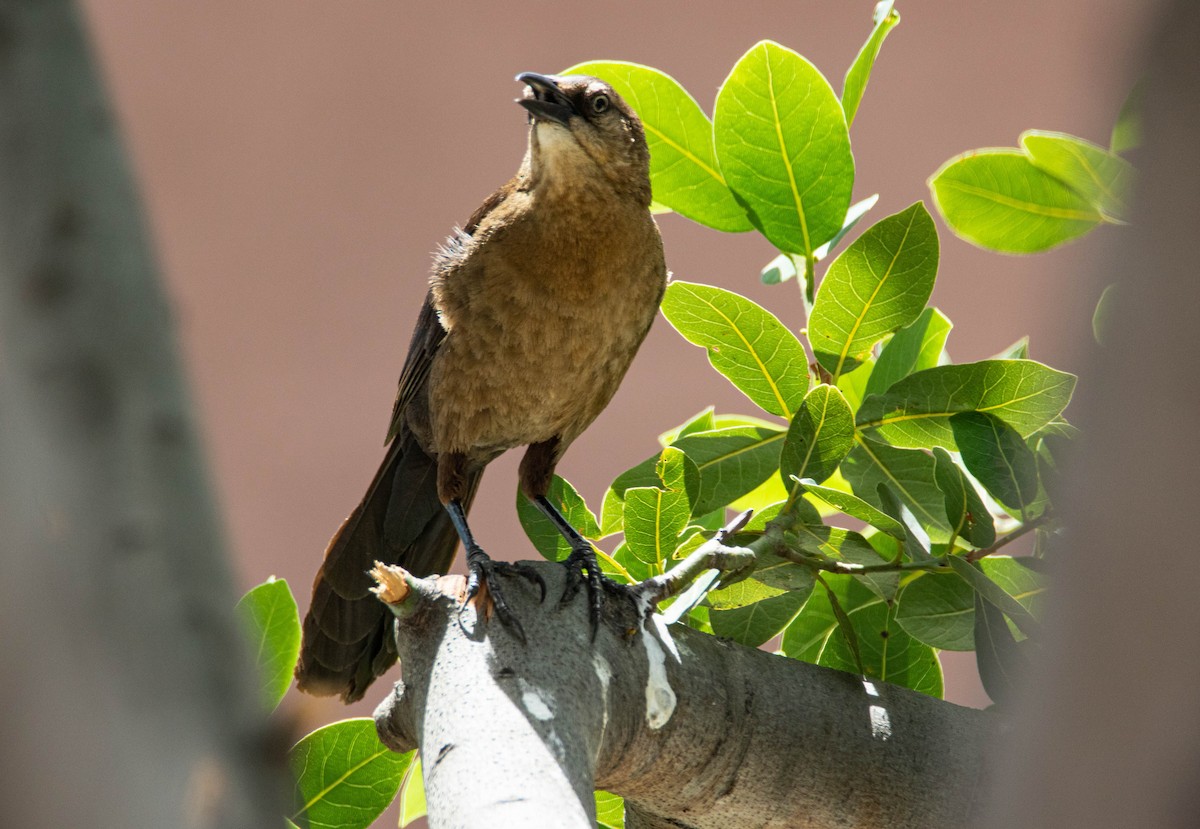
348	632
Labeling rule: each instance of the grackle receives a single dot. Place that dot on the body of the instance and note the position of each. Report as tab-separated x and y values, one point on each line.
535	310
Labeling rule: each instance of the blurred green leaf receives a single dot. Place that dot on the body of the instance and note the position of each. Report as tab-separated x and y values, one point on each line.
965	510
412	794
1127	131
745	343
1103	315
612	509
909	472
915	347
1000	657
820	436
610	811
545	538
888	652
1103	178
754	624
272	625
731	462
783	146
999	459
345	777
1000	200
877	285
856	507
915	412
683	164
885	18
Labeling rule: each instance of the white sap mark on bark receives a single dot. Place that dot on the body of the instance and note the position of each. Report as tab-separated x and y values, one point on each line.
535	702
604	674
660	699
881	723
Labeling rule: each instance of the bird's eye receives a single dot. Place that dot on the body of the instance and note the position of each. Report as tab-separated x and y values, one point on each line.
600	103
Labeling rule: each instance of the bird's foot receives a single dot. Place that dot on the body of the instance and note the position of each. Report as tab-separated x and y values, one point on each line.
481	580
583	569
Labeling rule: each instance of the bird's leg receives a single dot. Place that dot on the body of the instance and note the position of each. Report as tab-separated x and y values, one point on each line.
482	571
581	564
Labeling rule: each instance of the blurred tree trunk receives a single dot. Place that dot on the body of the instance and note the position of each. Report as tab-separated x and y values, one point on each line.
1109	733
128	701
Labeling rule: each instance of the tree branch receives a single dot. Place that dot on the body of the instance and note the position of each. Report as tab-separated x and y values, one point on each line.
693	730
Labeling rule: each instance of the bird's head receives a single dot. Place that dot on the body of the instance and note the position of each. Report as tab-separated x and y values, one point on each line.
582	129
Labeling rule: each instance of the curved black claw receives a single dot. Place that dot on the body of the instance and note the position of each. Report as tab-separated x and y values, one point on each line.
481	575
582	567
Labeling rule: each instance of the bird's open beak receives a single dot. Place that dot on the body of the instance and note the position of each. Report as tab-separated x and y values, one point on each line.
544	100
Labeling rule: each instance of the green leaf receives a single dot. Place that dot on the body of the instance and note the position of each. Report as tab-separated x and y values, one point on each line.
853	384
1103	178
784	148
1017	351
742	593
856	507
939	608
702	421
888	652
272	624
412	795
999	459
909	472
1103	315
345	777
965	510
820	436
731	461
754	624
877	285
636	570
994	594
784	266
610	811
915	412
655	517
856	212
546	539
612	510
885	18
745	342
683	165
1000	200
1127	131
914	347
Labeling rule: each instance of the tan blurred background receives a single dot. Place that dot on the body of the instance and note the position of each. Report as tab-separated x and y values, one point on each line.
299	160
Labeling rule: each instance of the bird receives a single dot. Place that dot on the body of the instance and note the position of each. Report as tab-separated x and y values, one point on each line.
535	309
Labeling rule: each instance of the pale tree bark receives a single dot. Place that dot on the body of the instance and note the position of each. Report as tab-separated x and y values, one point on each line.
127	698
693	730
1109	727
